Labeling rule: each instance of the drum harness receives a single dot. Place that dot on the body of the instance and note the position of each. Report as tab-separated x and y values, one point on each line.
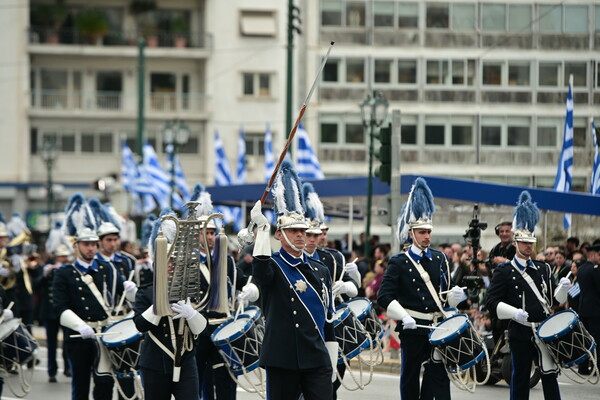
547	364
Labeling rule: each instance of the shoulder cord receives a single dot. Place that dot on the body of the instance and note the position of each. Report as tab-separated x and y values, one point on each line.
89	281
426	278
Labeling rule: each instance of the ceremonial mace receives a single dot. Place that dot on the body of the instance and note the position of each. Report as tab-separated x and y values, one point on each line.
247	238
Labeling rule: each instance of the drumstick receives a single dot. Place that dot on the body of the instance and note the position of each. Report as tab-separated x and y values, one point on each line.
120	306
448	291
241	304
12	303
433	327
98	334
569	274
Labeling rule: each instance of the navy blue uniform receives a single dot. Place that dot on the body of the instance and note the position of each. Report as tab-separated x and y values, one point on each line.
155	364
402	282
71	293
509	286
588	277
293	350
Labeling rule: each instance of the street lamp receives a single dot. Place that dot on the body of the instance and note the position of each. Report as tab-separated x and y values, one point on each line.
49	153
176	133
373	111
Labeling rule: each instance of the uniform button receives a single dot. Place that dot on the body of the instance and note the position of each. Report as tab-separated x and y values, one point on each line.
292	299
422	298
80	288
101	267
418	289
516	287
89	318
297	326
519	296
166	335
410	270
165	325
76	278
514	277
83	298
426	308
414	280
295	312
87	308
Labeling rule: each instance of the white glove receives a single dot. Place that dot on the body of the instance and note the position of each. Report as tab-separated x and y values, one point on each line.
333	349
409	322
129	286
351	268
564	283
455	296
257	216
86	331
249	293
183	309
521	315
8	315
4	272
340	288
561	293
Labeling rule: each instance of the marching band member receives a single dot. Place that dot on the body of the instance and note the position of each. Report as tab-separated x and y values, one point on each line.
409	298
299	348
521	292
157	353
588	277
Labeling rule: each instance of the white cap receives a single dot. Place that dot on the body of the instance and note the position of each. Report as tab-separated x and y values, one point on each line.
106	228
292	220
421	223
86	235
314	227
523	235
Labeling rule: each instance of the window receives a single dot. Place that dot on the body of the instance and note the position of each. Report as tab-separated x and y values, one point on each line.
331	13
579	71
492	73
518	74
355	70
383	14
343	130
408	15
258	24
437	72
462	135
162	89
491	135
546	136
331	71
96	143
434	134
64	141
519	18
191	146
256	84
255	144
383	70
549	74
409	133
517	136
329	133
597	13
493	17
407	71
463	17
576	19
109	88
579	132
54	88
550	18
437	15
355	133
355	14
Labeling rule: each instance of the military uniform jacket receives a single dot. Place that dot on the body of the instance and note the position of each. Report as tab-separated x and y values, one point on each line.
292	339
70	292
151	355
588	277
402	282
44	287
508	286
333	262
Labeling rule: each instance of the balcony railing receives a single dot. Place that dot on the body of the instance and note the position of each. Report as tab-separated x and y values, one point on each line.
116	101
159	38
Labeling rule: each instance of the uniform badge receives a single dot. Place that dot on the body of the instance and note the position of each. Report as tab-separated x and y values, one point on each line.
300	286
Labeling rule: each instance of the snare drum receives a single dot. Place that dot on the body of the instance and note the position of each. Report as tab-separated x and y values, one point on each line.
259	320
349	333
566	338
362	308
238	343
457	343
123	341
18	346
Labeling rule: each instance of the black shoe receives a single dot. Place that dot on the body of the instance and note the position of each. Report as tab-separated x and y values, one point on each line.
67	373
52	379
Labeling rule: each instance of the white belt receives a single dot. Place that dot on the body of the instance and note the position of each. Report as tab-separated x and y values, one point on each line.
434	316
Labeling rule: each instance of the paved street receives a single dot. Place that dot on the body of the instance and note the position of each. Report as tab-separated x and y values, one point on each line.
383	386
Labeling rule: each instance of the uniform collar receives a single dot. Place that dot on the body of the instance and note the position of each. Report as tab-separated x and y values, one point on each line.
105	258
292	260
521	263
416	255
314	255
85	267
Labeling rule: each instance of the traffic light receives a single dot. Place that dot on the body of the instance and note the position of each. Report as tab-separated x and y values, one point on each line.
384	171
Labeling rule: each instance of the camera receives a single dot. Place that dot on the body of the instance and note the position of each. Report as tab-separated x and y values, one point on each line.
473	234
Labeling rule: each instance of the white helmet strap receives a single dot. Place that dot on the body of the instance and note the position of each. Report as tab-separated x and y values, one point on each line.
288	241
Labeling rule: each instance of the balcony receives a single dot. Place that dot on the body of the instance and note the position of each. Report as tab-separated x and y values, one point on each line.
125	103
163	39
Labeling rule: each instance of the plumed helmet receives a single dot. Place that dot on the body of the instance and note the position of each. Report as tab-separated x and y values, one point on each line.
168	229
107	224
205	208
16	225
79	217
289	202
62	250
315	214
525	218
107	228
418	211
86	235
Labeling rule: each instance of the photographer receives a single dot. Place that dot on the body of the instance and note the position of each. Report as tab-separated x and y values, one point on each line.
473	281
503	251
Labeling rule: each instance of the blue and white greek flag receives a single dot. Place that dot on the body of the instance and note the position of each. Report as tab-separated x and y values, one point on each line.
269	156
182	193
241	174
564	173
223	178
128	167
574	290
158	178
595	186
135	182
307	163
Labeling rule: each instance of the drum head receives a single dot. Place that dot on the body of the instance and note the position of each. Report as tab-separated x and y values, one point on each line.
8	327
253	312
451	328
341	312
557	325
360	307
120	333
232	329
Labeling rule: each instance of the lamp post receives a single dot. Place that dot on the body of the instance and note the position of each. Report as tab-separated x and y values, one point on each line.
49	153
373	111
176	133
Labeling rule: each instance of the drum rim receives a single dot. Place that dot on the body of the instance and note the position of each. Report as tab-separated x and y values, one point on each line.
561	333
582	358
453	335
344	314
249	368
365	311
359	349
236	335
122	342
473	361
